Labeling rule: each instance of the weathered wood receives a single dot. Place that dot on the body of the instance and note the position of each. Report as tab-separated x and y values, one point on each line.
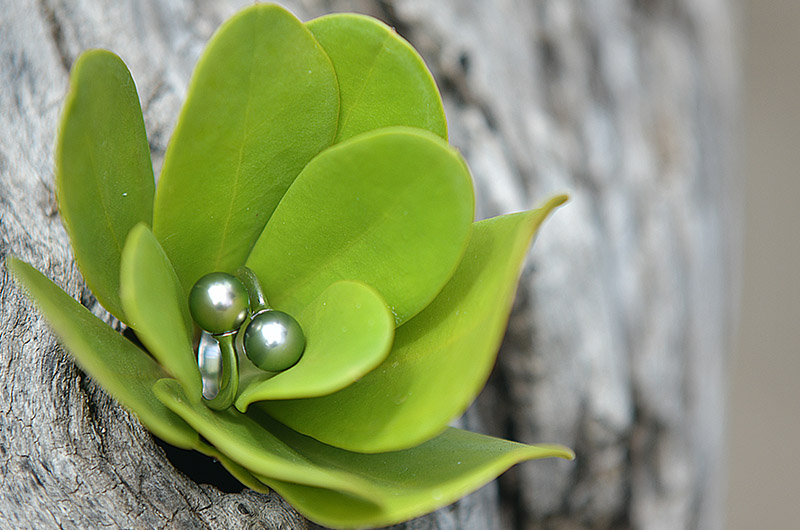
617	343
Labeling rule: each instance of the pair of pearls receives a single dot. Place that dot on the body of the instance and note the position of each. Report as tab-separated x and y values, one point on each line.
221	303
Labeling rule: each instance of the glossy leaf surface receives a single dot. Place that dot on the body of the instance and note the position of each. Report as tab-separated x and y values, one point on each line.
392	208
250	444
262	102
407	483
104	177
123	370
156	307
348	332
440	359
382	488
382	80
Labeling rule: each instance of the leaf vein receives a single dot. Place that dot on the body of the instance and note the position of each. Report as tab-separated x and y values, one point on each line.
238	171
372	67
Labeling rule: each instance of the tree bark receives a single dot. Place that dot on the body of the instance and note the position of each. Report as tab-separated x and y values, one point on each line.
617	345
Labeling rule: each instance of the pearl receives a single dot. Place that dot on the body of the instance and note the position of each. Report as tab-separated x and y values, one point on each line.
218	302
274	341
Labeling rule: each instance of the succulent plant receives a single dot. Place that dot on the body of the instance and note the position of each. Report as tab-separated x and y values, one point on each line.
313	158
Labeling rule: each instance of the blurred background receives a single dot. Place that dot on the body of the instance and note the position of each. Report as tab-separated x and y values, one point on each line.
764	423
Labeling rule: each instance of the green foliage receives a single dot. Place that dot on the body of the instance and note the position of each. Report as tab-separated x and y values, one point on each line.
315	154
262	102
156	307
397	88
440	359
104	177
381	489
349	331
392	208
125	371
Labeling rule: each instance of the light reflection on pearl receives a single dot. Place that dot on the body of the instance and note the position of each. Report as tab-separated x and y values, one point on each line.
274	334
220	295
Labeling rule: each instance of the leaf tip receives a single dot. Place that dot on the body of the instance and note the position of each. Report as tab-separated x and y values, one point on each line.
564	452
558	451
554	202
552	451
10	263
16	268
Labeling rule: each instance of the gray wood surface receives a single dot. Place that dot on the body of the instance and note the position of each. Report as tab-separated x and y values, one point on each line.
617	346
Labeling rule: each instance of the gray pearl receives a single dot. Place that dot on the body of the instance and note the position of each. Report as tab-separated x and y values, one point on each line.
218	303
274	341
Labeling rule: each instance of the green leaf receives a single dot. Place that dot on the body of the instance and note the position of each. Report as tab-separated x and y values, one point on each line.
104	177
246	442
382	79
407	483
157	307
381	489
240	473
391	208
348	332
331	508
122	369
262	102
440	359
